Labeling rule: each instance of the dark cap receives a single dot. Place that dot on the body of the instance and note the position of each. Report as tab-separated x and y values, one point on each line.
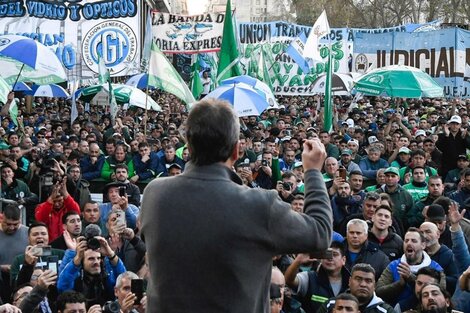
113	184
462	157
436	213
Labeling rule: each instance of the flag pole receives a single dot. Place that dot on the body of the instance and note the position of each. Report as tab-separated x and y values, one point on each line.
146	104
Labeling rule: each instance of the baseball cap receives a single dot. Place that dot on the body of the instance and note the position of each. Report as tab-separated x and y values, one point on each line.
168	166
420	132
436	213
392	170
462	157
354	141
404	150
372	139
455	119
298	164
346	151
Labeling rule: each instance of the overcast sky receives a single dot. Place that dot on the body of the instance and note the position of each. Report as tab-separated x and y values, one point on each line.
196	6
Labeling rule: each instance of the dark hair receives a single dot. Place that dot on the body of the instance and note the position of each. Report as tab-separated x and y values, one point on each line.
384	207
416	230
443	201
288	174
212	132
12	212
355	173
418	152
347	297
444	292
143	144
435	177
67	214
120	166
298	197
69	296
466	172
340	246
429	271
36	224
363	267
418	167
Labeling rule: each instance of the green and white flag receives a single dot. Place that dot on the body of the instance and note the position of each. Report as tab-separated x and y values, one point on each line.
4	90
13	111
328	113
103	72
263	73
229	62
163	75
196	84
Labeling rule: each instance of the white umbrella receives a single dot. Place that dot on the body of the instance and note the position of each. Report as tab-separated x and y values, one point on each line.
341	84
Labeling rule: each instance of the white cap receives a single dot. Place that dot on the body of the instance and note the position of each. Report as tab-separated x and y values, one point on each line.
420	132
372	139
455	119
354	141
350	122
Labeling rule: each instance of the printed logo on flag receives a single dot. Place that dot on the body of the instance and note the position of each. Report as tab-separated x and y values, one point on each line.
115	41
4	41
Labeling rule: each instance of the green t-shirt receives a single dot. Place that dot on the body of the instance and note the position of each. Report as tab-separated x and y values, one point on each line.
416	192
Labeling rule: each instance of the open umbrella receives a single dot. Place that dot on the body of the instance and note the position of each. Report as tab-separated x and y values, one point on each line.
256	84
28	60
245	99
399	81
139	81
52	91
123	93
341	84
21	86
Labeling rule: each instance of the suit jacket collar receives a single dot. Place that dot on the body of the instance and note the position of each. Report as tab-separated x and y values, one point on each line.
212	171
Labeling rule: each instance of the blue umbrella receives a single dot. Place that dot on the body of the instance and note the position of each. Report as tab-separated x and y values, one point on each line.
52	91
21	86
245	99
24	59
139	81
258	85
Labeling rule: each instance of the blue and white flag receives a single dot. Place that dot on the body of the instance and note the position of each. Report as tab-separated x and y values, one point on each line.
296	52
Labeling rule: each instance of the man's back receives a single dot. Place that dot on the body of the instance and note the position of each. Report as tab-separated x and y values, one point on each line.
212	240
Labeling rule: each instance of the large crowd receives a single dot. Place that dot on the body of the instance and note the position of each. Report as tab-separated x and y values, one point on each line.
397	174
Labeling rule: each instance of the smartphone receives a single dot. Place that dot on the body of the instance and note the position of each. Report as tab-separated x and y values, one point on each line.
122	191
120	218
53	263
137	288
342	173
42	251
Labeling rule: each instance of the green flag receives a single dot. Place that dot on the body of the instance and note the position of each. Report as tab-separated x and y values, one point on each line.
263	73
13	111
163	75
4	90
328	113
103	72
196	83
228	60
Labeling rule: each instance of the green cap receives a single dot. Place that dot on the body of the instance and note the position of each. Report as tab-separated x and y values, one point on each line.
346	151
392	170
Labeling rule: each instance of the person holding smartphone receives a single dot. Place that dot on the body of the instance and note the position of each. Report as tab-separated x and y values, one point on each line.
129	292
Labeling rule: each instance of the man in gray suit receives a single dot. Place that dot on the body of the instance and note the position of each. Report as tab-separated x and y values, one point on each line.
210	240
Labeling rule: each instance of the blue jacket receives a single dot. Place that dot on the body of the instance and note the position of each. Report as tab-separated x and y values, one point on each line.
461	299
342	208
407	291
369	169
69	272
460	196
148	169
445	258
91	171
163	170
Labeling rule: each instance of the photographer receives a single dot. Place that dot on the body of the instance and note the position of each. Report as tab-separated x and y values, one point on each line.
36	299
262	171
53	209
91	272
287	188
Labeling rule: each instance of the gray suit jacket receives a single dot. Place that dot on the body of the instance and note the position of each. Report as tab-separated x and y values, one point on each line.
211	240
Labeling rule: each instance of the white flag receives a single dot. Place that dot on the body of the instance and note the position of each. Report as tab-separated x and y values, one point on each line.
319	30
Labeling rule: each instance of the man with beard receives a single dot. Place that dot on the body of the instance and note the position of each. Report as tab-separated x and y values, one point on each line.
435	299
121	173
395	283
343	204
316	287
424	276
72	225
362	286
441	254
92	272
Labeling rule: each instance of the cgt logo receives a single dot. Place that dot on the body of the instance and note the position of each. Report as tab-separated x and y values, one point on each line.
114	41
4	41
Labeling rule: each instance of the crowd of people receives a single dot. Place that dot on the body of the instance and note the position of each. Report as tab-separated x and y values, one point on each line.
397	175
